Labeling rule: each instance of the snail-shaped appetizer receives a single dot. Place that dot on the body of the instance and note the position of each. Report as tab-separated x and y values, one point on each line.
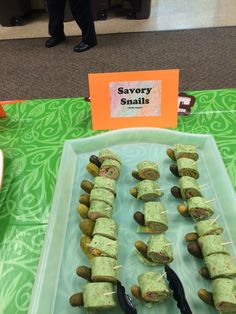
146	170
146	190
106	164
154	219
188	187
151	287
158	250
197	207
103	269
222	296
103	226
182	151
185	167
95	296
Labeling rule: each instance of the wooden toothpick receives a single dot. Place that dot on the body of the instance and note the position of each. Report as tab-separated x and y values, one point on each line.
109	293
159	278
214	220
209	201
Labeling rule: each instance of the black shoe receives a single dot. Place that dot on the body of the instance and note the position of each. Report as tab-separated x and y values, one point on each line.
53	41
83	47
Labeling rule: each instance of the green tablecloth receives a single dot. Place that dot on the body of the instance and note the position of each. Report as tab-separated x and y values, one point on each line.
32	139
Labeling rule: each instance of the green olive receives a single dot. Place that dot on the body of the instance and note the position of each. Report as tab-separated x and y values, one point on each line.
87	226
192	236
206	296
77	299
84	272
134	192
84	199
84	241
83	210
139	218
87	186
170	152
174	170
136	292
93	169
194	249
94	160
175	191
183	210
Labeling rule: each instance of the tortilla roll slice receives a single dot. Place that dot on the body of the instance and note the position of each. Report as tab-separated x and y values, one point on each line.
98	295
110	169
108	154
185	151
99	209
220	266
148	190
102	246
187	167
105	183
224	291
189	187
148	170
106	227
153	287
160	249
155	218
206	227
211	244
103	269
102	195
198	208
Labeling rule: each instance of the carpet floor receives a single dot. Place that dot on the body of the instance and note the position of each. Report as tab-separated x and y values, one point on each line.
205	57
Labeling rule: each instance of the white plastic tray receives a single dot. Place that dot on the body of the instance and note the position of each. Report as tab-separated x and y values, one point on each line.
56	280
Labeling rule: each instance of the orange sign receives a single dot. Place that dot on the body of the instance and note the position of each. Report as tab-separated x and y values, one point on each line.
134	99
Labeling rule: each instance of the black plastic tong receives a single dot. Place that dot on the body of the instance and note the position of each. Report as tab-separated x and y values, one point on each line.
178	290
125	300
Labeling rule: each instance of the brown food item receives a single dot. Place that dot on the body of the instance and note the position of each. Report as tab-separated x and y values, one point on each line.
175	191
192	236
174	170
194	249
87	186
84	272
84	241
84	199
94	160
139	218
95	252
87	226
136	292
204	272
93	169
83	210
142	248
134	192
170	152
206	296
77	299
136	176
183	210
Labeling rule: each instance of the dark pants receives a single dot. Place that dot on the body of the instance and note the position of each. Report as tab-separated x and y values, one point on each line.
82	14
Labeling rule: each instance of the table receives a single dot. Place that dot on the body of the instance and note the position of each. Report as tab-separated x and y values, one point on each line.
32	140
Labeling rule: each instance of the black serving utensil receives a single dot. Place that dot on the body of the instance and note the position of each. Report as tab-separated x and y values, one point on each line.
125	300
178	290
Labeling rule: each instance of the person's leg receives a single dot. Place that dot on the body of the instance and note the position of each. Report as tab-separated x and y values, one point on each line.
56	18
82	14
